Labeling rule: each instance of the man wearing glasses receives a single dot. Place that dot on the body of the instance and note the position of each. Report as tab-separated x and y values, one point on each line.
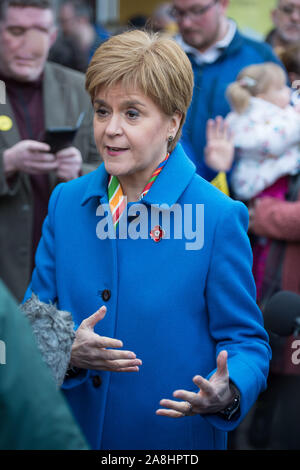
286	18
218	52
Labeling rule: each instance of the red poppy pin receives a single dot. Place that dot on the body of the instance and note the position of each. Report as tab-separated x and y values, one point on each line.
157	233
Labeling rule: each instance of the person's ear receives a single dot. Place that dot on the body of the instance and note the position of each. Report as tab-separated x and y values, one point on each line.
53	36
224	4
274	16
175	122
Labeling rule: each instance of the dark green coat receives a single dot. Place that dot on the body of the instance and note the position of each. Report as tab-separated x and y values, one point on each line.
64	99
33	413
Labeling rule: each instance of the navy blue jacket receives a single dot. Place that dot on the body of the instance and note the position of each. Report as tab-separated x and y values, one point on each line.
209	100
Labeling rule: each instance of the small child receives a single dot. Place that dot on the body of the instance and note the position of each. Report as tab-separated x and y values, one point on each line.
265	127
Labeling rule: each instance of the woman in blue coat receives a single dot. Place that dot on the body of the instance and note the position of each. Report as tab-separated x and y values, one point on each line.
177	353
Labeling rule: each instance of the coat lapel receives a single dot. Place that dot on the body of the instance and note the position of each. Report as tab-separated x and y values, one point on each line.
167	188
12	136
54	96
55	108
173	180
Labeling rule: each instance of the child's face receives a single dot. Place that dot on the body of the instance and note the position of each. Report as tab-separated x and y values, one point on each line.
280	95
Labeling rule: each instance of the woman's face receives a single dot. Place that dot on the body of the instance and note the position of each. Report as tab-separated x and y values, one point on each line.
131	132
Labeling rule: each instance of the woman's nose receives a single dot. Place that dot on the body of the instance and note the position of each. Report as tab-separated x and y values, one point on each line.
114	126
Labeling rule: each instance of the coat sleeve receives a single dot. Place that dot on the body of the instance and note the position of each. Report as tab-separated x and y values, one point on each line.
235	321
277	219
8	186
33	412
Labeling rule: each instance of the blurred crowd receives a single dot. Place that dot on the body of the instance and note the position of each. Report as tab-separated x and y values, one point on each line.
242	132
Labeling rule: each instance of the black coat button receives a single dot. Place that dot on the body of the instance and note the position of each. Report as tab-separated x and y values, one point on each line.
97	381
106	295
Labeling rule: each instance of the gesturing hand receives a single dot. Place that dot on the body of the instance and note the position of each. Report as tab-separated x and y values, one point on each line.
92	351
219	150
214	394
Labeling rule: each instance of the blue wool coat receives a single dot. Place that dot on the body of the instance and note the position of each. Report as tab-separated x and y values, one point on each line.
176	308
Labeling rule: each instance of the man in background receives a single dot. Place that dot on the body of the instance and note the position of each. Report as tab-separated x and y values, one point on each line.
78	34
218	51
286	19
39	95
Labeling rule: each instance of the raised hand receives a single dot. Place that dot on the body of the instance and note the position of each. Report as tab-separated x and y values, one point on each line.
219	150
214	394
92	351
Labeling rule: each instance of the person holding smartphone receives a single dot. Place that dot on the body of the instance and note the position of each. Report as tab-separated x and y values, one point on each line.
39	95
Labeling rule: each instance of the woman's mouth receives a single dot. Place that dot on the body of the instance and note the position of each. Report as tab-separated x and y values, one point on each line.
114	151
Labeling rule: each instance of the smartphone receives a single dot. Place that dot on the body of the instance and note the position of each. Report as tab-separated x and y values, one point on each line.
60	138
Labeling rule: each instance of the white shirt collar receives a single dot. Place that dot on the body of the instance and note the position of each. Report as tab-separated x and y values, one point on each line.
214	52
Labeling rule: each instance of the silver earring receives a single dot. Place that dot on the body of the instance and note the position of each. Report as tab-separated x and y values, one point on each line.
170	140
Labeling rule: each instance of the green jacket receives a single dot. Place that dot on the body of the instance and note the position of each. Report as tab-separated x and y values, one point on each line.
33	413
64	99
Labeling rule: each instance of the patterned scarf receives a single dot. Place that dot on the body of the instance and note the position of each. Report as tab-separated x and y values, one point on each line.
117	200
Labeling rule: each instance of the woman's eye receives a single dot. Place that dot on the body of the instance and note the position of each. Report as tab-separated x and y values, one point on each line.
132	114
101	112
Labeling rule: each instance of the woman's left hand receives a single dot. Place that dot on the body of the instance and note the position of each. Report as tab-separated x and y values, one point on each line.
214	395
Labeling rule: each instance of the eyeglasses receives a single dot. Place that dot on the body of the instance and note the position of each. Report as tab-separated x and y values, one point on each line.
193	13
289	9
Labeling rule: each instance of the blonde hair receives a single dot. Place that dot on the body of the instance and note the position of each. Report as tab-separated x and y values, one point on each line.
252	81
150	62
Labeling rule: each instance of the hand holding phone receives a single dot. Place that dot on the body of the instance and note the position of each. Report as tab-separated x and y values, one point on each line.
30	157
59	138
69	162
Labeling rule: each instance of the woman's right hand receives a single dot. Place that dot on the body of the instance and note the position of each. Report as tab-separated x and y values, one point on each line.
92	351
